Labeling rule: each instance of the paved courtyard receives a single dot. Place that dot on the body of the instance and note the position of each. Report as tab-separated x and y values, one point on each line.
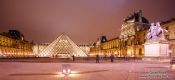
123	70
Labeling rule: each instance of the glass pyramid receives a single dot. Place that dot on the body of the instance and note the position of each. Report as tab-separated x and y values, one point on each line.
62	47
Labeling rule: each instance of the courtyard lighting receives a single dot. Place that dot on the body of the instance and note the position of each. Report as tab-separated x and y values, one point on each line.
66	69
173	66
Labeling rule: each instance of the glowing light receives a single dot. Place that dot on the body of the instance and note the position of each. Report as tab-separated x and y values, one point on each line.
170	51
74	75
59	74
66	69
173	66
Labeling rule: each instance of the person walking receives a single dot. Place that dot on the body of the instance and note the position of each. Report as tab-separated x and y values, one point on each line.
73	58
105	57
112	58
97	58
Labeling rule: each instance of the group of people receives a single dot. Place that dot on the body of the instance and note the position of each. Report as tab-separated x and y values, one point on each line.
98	58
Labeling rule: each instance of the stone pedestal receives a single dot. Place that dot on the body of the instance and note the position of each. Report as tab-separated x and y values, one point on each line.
156	51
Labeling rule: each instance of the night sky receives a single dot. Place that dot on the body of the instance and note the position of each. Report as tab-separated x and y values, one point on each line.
83	20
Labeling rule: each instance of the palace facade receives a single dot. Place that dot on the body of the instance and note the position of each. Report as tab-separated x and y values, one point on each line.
170	35
12	44
130	42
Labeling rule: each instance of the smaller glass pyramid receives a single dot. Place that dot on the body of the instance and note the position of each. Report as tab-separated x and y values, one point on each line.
62	47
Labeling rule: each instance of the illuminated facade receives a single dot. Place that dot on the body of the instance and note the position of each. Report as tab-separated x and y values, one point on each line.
130	42
131	47
133	24
37	48
12	44
170	35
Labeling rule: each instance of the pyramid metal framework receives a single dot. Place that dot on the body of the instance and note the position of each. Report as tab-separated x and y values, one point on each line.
62	47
